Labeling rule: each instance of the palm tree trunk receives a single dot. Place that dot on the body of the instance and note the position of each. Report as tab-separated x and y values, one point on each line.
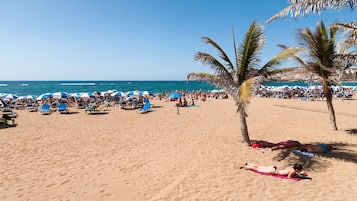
244	127
331	113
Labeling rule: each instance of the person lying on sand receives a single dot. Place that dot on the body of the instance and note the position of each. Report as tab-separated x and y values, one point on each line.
286	144
292	171
262	144
276	146
318	148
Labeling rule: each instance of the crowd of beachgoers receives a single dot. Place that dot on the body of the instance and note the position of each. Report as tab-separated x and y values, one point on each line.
304	93
111	98
135	99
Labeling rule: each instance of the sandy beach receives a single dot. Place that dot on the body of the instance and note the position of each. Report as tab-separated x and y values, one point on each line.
163	155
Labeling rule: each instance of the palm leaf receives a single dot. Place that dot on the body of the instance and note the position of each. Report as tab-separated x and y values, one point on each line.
249	51
244	94
215	80
300	8
284	55
217	66
349	32
222	53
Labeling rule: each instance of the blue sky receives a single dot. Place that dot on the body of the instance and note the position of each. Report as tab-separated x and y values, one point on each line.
133	39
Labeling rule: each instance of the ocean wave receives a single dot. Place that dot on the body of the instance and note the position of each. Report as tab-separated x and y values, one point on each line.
3	85
78	84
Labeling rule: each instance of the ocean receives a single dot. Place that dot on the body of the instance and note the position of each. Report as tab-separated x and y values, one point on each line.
24	88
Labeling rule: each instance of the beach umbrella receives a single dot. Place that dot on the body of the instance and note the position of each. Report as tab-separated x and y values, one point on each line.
146	93
111	91
21	98
133	93
10	96
30	97
45	96
85	95
118	94
59	95
175	95
74	94
215	91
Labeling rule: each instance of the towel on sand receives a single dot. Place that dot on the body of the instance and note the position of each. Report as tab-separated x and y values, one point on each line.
304	153
285	177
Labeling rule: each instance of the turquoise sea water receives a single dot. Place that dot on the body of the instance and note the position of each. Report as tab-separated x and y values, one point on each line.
23	88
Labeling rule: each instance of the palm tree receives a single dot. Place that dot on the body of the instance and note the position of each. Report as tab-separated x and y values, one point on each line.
323	60
300	8
241	74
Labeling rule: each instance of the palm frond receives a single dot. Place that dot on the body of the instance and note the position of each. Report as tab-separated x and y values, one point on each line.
347	59
217	66
320	70
284	55
249	51
244	94
300	8
217	81
349	32
222	53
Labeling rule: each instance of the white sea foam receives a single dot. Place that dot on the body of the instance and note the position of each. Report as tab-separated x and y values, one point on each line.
78	84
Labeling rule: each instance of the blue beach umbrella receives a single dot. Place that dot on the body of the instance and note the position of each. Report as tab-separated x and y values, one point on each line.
10	96
59	95
118	94
175	95
146	93
133	93
45	96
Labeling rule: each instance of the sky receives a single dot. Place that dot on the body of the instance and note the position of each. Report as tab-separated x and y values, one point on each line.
134	39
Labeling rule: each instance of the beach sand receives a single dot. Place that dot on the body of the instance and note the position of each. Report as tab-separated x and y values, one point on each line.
163	155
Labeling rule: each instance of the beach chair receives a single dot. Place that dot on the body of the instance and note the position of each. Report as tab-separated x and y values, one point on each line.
31	107
92	109
62	108
45	109
146	108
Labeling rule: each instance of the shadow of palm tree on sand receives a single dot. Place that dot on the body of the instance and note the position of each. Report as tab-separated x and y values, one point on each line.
341	153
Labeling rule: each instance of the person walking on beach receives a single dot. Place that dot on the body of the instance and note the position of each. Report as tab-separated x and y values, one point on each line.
292	171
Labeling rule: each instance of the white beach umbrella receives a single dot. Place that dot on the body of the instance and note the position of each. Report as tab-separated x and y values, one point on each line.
74	94
30	97
59	95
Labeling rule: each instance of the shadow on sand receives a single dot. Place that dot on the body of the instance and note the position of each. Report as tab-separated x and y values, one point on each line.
352	131
314	163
